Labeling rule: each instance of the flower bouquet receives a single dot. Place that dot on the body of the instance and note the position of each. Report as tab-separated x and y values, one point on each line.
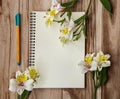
23	82
97	65
71	29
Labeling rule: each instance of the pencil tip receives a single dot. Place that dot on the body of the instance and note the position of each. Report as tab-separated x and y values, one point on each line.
19	63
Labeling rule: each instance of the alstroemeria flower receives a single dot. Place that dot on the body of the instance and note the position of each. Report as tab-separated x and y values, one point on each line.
88	64
102	60
55	8
66	31
48	19
20	83
21	77
63	39
67	27
32	73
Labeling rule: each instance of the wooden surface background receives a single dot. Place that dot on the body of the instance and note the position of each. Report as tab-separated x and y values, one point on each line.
103	34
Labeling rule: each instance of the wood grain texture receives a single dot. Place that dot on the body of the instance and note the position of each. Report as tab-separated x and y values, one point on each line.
103	34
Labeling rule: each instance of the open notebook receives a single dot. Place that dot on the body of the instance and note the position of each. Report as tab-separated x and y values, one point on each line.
57	64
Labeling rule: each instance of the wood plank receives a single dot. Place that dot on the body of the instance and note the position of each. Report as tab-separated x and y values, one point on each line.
98	35
110	44
24	11
90	44
13	9
6	49
103	34
43	5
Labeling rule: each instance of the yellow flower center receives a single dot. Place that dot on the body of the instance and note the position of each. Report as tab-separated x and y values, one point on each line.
49	21
88	60
33	73
21	78
102	58
63	40
52	13
65	31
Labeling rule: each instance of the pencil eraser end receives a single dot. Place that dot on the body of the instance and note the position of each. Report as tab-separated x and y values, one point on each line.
18	19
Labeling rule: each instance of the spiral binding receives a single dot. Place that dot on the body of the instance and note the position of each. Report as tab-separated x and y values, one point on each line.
32	31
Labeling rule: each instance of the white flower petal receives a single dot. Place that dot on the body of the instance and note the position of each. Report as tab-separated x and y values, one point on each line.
29	84
27	73
101	53
82	63
58	6
95	59
67	20
18	73
106	64
99	68
12	85
90	55
107	55
54	2
98	54
82	68
71	24
70	36
20	90
87	55
93	66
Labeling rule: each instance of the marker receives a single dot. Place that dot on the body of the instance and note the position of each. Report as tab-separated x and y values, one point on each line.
18	49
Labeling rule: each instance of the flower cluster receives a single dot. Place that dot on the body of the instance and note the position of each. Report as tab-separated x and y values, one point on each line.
97	65
61	9
52	13
24	80
93	63
70	28
67	31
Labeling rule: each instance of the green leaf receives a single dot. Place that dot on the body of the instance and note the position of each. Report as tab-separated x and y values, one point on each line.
82	18
69	4
25	94
69	14
77	36
103	76
60	21
75	32
107	5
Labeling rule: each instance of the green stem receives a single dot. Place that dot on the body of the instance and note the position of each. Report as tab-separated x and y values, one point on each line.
25	94
18	96
59	21
85	15
94	76
70	4
95	92
88	8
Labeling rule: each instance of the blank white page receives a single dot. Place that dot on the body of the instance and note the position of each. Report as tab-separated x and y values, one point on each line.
57	64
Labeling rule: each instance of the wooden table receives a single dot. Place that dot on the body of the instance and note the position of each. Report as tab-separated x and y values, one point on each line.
103	34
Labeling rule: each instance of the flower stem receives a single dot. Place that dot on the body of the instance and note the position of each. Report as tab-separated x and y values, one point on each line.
88	8
94	76
95	92
18	96
25	94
